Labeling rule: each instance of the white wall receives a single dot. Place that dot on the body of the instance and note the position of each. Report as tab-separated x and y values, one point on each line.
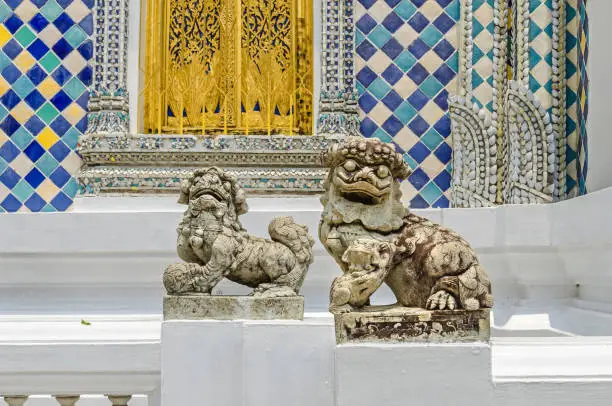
600	64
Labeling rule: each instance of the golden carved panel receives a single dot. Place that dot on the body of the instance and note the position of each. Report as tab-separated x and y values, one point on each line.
219	66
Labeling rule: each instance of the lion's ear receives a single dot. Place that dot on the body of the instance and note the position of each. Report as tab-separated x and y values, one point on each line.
184	195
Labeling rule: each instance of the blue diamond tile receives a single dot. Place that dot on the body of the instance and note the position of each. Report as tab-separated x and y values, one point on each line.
87	24
366	50
418	100
392	100
61	75
444	74
13	23
443	180
443	126
368	127
10	99
35	203
392	48
38	22
442	100
85	75
35	177
444	49
418	22
367	102
9	125
392	22
34	151
418	126
60	125
61	100
82	125
13	4
392	126
60	177
63	22
86	50
443	153
59	151
34	125
418	178
392	3
418	48
441	203
38	49
11	73
366	23
61	202
444	23
418	202
8	151
12	49
9	178
34	99
62	48
392	74
36	74
83	100
11	204
419	3
367	3
418	74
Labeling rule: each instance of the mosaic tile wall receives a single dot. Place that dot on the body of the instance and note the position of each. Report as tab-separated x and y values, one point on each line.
406	63
577	48
45	48
483	30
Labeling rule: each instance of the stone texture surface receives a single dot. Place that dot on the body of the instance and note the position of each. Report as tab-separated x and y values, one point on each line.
202	307
390	324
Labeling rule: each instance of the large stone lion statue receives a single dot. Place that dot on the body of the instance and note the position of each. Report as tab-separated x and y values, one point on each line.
215	245
375	239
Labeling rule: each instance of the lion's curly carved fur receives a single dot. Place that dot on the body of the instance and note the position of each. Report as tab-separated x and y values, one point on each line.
431	266
214	244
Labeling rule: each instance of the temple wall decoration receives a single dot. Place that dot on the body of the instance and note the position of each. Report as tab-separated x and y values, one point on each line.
45	50
519	128
407	63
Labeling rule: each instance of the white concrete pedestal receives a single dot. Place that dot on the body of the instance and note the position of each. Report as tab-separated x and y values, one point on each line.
247	363
413	374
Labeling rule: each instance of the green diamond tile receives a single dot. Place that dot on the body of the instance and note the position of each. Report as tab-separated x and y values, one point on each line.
74	88
47	164
75	36
51	10
5	11
25	36
379	36
432	139
47	113
431	87
431	192
23	86
49	62
22	190
22	138
431	36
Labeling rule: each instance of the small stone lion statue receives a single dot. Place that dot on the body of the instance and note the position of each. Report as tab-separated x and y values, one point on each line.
375	239
214	245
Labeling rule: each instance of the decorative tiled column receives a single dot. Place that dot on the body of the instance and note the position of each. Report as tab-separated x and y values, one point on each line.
338	112
108	106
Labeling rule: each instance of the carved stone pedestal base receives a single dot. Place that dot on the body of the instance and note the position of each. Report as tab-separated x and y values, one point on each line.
203	307
388	324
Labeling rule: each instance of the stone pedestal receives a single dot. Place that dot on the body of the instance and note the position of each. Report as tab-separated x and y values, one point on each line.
207	307
413	374
393	324
247	363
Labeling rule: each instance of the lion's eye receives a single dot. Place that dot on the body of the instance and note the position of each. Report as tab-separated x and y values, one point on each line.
350	165
382	171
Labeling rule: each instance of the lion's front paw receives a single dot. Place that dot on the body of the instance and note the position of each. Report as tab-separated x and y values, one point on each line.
346	308
441	300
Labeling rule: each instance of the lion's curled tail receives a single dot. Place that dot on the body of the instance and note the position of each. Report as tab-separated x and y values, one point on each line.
294	236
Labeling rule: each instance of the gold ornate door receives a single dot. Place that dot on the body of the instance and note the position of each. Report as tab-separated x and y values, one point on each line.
228	67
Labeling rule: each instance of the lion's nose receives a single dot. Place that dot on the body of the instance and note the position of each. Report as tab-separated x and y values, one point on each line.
365	174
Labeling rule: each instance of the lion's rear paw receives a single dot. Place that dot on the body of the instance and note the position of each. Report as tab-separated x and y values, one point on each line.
441	300
347	308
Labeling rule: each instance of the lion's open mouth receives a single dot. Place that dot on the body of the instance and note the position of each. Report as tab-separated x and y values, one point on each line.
209	192
363	192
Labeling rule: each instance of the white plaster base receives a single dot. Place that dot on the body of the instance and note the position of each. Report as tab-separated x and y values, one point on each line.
419	374
247	363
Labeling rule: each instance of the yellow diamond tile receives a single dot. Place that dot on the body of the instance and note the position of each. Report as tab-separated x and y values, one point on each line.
47	190
22	112
47	138
49	87
25	61
5	35
4	86
74	113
